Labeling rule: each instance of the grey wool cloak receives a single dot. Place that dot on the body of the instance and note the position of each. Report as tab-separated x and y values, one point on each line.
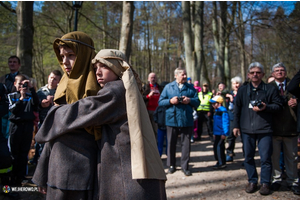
108	109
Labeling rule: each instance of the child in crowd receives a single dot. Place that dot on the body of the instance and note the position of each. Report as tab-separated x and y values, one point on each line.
220	130
22	105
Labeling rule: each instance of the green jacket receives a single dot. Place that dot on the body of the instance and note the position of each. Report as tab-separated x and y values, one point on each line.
204	101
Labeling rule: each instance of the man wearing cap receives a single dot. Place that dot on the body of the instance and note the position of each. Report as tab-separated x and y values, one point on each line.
204	112
255	104
179	97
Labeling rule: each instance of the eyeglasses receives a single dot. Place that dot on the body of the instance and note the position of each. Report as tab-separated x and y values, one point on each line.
254	73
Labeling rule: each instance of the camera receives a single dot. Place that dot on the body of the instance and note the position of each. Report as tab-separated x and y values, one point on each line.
25	85
257	103
180	99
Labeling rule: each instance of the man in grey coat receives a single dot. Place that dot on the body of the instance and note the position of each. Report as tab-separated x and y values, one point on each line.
180	98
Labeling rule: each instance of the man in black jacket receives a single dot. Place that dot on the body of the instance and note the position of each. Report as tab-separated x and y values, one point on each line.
294	88
254	106
285	134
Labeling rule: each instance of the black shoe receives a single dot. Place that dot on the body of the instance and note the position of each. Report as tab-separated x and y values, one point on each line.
219	166
172	169
275	186
264	189
295	189
251	187
186	172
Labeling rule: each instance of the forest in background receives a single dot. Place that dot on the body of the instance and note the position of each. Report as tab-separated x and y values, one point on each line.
215	41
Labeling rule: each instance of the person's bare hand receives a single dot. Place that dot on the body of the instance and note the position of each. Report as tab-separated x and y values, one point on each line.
42	190
151	94
236	132
208	114
257	109
45	103
230	97
292	102
174	100
223	137
186	100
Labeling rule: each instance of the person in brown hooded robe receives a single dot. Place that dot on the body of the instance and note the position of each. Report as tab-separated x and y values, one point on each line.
67	166
129	165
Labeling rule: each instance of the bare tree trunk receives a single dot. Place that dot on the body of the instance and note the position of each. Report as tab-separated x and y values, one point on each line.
216	34
227	66
188	43
241	41
104	25
127	26
25	35
198	24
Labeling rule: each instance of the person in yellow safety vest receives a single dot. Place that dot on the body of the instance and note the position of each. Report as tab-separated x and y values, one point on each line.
204	112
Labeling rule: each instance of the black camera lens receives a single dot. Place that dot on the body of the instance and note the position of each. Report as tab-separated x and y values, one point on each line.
25	85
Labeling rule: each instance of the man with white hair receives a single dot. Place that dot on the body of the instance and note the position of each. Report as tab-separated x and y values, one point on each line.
236	82
179	97
254	106
285	134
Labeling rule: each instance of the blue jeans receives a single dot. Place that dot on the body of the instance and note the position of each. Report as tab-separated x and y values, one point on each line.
265	149
161	135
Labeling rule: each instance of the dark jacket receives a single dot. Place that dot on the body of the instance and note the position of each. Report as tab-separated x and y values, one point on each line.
294	85
249	121
23	110
42	93
159	117
285	121
179	115
8	80
294	88
3	102
71	162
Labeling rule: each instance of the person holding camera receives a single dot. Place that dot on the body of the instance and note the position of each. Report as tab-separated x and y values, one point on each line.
285	134
21	105
255	104
151	95
180	98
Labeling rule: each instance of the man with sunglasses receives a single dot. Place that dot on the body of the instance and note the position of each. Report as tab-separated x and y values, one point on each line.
255	104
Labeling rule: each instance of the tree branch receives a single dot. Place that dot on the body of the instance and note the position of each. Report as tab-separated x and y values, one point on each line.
6	7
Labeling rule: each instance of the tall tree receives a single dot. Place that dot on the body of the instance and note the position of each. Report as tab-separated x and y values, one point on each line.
127	26
219	33
200	65
25	35
187	35
240	33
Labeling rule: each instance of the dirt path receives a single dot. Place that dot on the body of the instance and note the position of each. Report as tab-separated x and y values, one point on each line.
207	183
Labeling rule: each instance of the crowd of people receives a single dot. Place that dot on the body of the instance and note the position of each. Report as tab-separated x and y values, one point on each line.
96	122
263	114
